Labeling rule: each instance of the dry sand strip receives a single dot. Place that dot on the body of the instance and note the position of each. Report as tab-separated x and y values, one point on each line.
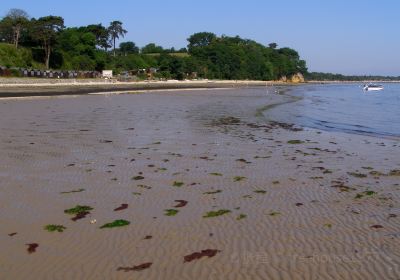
41	87
191	185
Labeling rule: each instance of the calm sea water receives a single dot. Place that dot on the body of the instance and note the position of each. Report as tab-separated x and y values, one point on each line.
344	107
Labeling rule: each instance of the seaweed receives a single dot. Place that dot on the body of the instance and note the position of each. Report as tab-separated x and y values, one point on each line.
32	247
198	255
241	216
178	184
243	160
213	192
299	204
171	212
116	223
376	226
394	172
53	228
295	142
148	237
213	214
105	141
357	175
260	191
181	203
78	209
274	213
136	178
239	178
122	207
366	193
135	268
73	191
216	174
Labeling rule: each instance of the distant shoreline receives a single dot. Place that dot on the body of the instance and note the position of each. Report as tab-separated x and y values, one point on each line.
43	87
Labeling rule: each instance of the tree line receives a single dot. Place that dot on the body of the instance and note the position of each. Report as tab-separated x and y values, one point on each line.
94	47
318	76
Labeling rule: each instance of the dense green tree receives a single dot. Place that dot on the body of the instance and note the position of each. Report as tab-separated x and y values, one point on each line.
152	48
116	30
16	20
102	35
201	39
46	30
128	48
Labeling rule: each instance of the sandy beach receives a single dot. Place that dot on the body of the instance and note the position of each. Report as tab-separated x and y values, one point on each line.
201	185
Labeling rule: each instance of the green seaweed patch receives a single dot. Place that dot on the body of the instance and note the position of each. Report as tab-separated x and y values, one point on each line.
376	173
213	192
295	142
73	191
136	193
273	214
116	223
171	212
213	214
395	172
178	184
260	191
216	174
357	175
239	178
78	210
137	178
328	225
363	194
241	217
54	228
367	168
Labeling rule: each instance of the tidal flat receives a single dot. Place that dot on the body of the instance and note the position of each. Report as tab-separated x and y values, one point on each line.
191	185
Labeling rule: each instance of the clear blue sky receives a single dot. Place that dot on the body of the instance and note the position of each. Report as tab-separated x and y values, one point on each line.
349	37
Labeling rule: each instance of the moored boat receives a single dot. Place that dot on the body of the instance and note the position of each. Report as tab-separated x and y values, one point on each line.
373	87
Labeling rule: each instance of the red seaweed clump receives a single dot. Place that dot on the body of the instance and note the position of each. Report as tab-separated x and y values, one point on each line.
32	247
198	255
181	203
135	268
122	207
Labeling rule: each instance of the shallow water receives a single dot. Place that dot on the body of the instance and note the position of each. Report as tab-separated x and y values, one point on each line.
343	107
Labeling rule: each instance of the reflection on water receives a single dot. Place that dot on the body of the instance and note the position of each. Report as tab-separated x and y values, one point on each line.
344	107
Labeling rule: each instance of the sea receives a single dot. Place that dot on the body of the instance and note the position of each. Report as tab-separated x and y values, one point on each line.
343	107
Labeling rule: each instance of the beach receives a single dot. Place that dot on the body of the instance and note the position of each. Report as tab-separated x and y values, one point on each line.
201	185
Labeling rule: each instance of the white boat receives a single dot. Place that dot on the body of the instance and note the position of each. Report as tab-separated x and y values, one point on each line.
373	87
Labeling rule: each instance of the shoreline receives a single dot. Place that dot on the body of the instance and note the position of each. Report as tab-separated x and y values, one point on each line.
70	87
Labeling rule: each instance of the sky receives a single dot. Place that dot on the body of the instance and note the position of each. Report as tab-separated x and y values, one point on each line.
339	36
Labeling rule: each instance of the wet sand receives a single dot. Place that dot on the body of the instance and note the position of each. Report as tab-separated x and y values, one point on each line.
288	203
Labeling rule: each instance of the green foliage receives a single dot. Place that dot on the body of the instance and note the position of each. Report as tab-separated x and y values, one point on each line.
21	57
178	184
295	142
78	209
47	41
152	48
213	214
171	212
53	228
116	223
